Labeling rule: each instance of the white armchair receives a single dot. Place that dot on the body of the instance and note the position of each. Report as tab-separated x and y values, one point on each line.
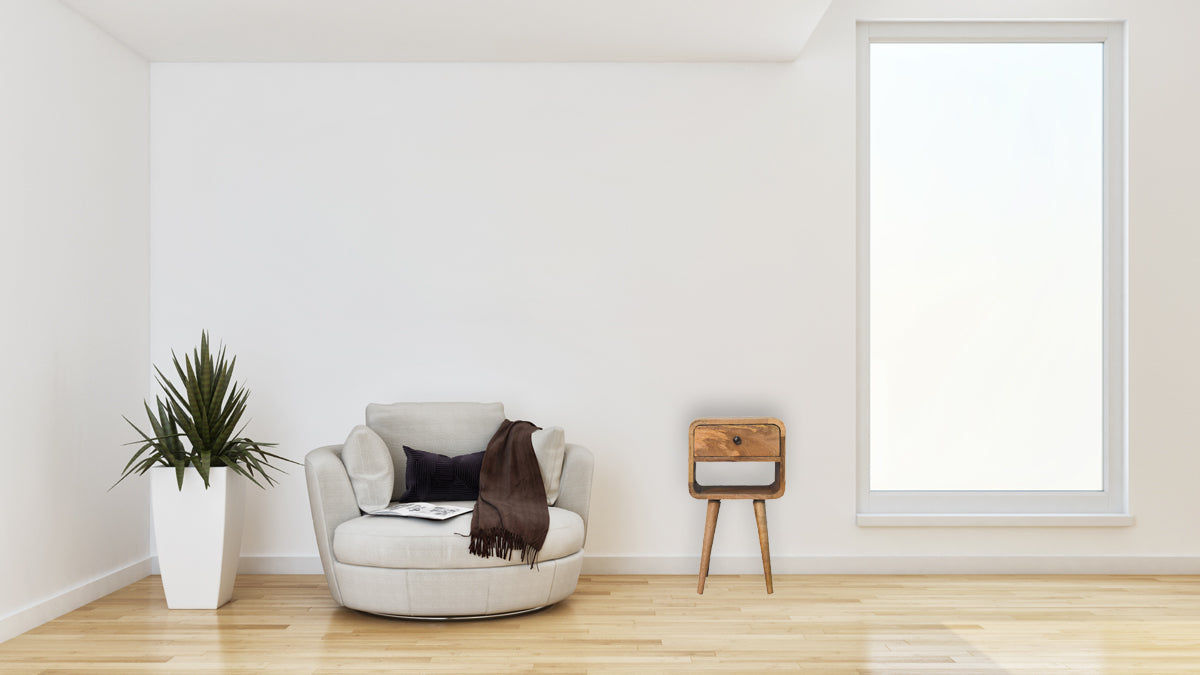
421	568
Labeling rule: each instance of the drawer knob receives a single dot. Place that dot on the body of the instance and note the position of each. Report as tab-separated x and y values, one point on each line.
737	440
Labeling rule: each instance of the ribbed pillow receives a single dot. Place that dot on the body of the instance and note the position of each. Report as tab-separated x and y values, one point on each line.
430	477
369	465
550	447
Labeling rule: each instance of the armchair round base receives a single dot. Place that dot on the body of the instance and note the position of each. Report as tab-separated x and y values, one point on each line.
476	617
456	593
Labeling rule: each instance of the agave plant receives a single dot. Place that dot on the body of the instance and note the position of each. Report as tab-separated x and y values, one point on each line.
206	410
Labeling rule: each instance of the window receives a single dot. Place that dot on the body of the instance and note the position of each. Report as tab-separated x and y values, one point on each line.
991	265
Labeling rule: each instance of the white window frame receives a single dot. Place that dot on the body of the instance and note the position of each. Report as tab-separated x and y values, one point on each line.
1105	507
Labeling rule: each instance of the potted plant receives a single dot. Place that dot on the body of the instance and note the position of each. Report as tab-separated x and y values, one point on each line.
198	513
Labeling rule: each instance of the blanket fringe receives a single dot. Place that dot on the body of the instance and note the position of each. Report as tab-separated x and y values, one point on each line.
499	542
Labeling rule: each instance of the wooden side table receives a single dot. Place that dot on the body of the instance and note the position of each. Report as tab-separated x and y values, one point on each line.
736	439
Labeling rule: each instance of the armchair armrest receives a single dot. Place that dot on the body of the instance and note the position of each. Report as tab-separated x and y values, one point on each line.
331	499
575	486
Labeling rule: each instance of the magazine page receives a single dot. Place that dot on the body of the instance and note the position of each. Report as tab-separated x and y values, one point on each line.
423	510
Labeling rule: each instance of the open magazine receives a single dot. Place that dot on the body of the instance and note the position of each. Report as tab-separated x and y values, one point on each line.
423	510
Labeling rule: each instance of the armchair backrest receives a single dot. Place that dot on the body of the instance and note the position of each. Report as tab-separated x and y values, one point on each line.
445	428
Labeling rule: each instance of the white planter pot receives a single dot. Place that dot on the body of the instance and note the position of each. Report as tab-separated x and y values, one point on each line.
199	534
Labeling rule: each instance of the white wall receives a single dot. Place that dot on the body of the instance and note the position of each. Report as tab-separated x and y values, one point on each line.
74	194
618	249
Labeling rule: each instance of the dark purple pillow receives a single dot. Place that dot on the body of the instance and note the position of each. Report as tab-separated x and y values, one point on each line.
430	477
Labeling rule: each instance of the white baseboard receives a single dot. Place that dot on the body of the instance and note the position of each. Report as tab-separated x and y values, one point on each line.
39	613
897	564
871	564
280	564
268	564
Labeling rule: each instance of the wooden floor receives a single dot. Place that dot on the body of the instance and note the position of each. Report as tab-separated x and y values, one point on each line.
653	624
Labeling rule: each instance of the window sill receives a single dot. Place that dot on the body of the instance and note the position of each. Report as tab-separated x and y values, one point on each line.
995	520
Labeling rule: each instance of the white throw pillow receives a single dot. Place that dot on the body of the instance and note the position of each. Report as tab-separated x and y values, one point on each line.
550	446
370	467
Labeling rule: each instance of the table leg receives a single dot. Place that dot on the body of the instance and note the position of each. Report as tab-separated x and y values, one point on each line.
760	515
710	528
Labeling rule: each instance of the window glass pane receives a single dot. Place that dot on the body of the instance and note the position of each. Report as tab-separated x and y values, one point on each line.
986	266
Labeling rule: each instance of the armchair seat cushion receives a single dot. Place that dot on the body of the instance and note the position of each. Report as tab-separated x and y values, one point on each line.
416	543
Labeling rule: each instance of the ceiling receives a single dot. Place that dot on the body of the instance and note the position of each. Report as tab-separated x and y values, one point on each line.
458	30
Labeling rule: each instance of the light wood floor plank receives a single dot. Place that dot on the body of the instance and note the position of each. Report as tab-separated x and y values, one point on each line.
652	624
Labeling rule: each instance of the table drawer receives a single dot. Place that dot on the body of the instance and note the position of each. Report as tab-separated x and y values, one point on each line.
736	440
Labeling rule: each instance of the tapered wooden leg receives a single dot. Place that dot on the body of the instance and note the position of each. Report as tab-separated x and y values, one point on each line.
710	528
760	514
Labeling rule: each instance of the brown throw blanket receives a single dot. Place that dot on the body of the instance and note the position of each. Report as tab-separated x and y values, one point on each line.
511	513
